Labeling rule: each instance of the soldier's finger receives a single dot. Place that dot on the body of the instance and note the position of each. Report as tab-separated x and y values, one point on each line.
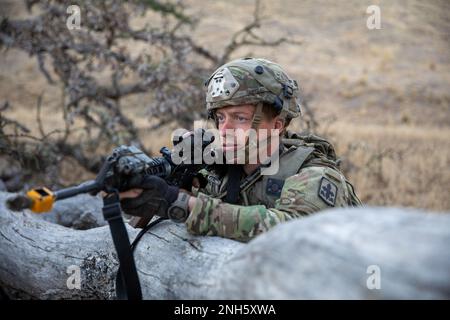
132	193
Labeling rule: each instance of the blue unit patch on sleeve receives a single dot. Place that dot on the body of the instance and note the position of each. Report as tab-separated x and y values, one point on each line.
327	192
274	187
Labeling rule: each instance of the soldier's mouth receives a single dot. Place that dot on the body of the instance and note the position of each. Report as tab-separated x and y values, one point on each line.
230	145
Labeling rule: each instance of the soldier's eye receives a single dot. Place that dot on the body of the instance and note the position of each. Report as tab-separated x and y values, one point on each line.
241	119
220	118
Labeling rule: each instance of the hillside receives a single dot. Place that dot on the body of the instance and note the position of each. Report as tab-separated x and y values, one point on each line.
382	96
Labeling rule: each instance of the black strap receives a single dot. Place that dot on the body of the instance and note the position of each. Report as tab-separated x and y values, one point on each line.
233	185
129	287
119	278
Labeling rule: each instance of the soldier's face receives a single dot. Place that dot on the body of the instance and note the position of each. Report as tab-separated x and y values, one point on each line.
234	121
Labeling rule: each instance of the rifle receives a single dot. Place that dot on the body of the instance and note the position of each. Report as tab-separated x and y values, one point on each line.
125	164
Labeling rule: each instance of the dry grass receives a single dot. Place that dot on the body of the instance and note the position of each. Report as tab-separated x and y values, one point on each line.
389	88
396	165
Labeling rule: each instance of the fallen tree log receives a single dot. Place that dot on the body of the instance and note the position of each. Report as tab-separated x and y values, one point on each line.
80	212
365	253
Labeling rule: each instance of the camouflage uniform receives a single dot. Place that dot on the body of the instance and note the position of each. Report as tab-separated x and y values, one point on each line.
308	179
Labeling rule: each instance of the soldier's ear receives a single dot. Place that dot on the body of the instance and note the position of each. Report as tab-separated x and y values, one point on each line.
279	124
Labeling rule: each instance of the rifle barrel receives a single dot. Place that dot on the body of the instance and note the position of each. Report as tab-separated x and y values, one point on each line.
85	187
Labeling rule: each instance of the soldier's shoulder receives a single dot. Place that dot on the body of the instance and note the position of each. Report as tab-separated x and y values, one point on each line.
314	171
321	186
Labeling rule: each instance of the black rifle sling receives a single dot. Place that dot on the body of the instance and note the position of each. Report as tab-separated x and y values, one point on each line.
130	287
119	278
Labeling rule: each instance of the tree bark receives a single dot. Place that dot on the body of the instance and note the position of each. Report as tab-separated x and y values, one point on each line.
327	255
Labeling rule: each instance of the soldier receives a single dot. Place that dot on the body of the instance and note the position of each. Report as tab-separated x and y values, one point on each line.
238	201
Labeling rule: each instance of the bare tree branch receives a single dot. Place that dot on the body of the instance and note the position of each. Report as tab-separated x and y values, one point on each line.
247	37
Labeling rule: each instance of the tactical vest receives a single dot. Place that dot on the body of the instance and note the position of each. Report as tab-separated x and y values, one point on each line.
298	152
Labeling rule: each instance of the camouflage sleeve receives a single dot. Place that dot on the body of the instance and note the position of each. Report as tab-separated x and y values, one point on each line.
311	190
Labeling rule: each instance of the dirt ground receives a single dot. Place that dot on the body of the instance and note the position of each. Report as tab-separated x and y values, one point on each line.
381	96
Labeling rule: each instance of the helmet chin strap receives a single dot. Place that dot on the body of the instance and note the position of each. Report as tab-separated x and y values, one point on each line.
257	116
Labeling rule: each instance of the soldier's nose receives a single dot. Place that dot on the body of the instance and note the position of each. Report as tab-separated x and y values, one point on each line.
225	125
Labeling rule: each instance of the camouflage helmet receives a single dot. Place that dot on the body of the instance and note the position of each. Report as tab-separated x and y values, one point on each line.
250	81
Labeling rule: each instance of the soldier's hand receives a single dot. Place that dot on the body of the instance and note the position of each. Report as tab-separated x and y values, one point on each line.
152	196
